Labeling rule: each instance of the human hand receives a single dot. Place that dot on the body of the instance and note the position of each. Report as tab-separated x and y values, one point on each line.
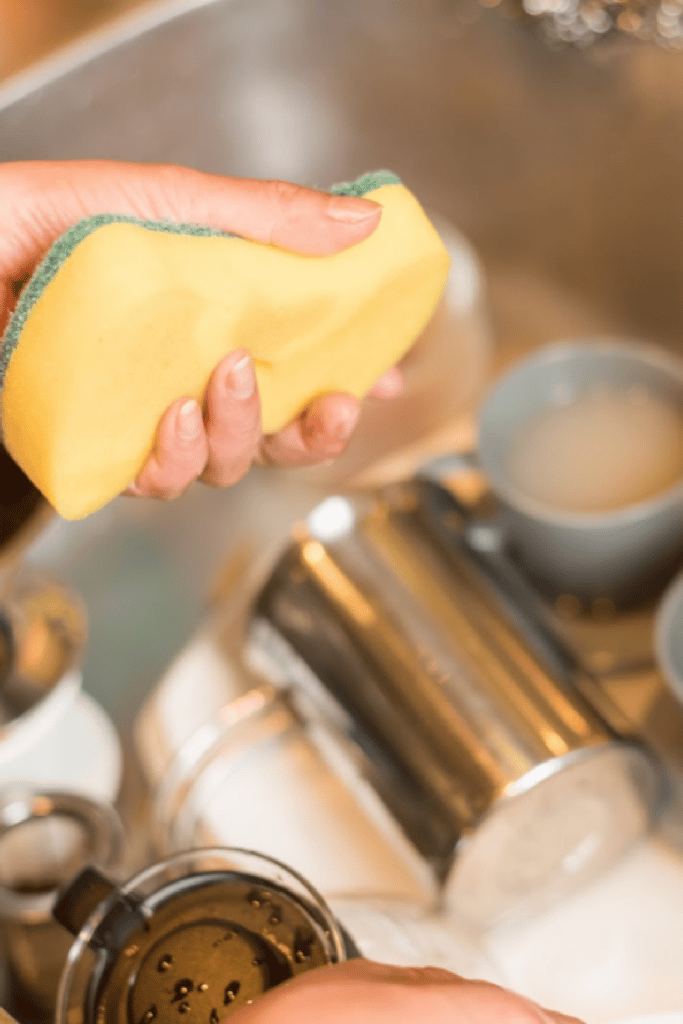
360	991
41	200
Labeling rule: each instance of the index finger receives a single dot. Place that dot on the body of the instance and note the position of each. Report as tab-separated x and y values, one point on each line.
286	215
40	200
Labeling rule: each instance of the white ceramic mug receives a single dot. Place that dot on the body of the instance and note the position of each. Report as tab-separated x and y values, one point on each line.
617	553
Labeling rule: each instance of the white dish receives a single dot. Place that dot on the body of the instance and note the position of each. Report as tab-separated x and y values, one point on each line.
81	754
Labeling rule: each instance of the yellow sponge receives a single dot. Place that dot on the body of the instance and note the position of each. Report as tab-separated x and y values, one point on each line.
124	317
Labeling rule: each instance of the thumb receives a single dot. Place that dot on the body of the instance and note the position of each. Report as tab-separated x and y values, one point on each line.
41	200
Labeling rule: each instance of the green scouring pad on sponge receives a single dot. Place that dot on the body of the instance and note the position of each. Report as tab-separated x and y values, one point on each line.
123	317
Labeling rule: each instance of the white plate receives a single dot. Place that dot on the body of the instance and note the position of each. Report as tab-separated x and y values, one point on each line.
81	754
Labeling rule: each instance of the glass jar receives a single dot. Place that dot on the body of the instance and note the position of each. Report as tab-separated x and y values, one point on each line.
256	775
201	933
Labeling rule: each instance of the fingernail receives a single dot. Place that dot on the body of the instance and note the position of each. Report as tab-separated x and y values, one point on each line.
241	379
350	210
189	423
346	420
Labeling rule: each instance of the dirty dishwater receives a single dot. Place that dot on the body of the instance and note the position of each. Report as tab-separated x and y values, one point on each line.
592	495
602	451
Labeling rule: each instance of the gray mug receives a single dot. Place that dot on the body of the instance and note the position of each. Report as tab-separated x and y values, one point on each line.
620	554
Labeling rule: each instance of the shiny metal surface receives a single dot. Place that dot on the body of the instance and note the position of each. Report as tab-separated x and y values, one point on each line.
382	623
565	173
44	630
159	87
558	167
45	838
610	653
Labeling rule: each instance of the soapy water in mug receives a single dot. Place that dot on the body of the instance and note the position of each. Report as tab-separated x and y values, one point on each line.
598	452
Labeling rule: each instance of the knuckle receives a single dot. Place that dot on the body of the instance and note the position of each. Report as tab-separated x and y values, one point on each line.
432	975
164	493
234	429
285	193
166	481
178	186
181	460
241	437
228	453
279	457
329	448
515	1008
225	474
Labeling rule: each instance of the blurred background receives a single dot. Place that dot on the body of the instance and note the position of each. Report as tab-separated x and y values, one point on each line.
29	29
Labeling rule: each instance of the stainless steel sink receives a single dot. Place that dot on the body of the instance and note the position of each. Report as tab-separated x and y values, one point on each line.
565	170
556	163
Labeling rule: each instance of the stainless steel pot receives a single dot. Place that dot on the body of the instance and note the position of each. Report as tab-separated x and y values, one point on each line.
502	773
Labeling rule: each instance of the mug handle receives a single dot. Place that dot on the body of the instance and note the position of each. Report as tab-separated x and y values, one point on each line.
450	472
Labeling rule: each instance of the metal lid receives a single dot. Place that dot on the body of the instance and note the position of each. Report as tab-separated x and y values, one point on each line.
253	719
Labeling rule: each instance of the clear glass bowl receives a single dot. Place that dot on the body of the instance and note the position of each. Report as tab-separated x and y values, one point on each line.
256	775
